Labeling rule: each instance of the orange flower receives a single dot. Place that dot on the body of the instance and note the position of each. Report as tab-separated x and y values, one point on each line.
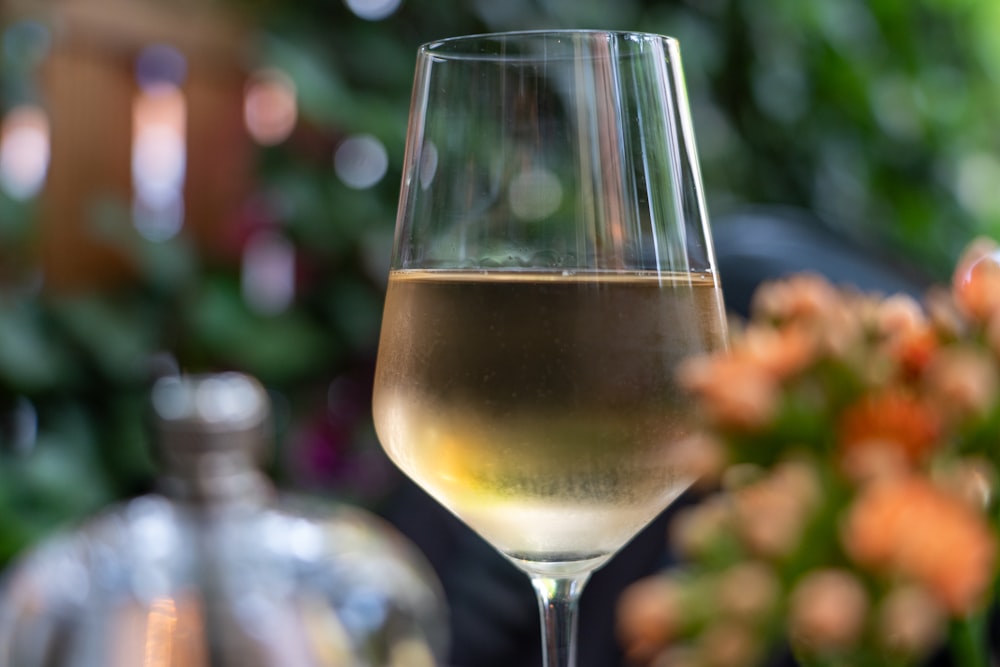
806	297
649	617
733	393
748	590
907	526
833	317
891	429
963	381
911	621
780	352
899	314
740	387
827	610
976	280
771	514
695	529
913	350
728	643
701	456
910	340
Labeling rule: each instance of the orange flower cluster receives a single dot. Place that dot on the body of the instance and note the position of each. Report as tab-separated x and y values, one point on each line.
855	496
742	388
886	431
908	526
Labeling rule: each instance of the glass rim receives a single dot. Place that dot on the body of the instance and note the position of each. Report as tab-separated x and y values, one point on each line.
440	48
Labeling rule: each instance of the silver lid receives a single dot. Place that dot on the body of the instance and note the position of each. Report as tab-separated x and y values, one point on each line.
211	436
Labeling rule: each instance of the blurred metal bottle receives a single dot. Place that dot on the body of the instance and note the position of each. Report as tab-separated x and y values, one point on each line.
218	571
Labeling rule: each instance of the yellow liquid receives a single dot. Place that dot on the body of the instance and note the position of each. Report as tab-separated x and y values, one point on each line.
541	408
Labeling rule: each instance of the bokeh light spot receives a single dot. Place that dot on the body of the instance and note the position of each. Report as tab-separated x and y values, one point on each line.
27	42
270	108
976	183
361	161
158	64
158	221
24	151
159	160
268	273
373	10
535	194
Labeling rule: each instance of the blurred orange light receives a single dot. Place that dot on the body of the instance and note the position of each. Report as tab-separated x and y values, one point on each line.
160	631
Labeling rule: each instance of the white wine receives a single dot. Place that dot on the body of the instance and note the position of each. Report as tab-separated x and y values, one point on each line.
541	408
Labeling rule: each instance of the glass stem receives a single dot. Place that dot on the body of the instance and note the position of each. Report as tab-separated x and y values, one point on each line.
558	602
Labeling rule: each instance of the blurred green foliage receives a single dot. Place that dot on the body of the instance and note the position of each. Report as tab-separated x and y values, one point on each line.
877	115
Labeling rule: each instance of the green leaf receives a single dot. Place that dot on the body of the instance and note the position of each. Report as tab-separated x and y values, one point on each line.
31	360
117	336
276	349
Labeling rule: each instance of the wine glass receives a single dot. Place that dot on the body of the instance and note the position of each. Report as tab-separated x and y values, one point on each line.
552	265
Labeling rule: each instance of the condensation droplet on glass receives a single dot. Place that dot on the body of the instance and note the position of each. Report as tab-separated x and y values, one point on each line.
547	259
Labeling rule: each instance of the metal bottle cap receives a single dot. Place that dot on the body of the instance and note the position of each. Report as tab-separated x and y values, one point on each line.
211	435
